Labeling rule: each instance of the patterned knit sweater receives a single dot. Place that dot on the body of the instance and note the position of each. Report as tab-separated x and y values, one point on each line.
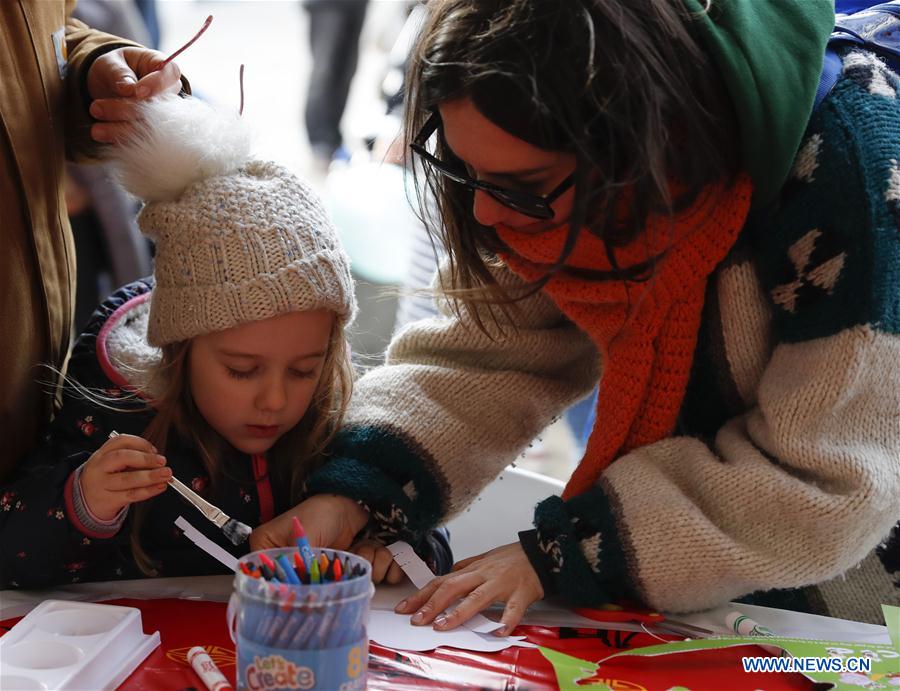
782	481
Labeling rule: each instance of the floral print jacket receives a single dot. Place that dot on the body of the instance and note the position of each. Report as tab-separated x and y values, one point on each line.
47	537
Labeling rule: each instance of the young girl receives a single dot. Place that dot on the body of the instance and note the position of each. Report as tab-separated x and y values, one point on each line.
229	371
639	193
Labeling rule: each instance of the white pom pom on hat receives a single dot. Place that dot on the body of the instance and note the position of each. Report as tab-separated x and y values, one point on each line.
177	142
237	240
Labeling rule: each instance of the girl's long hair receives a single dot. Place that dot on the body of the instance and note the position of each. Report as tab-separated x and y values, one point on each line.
293	457
624	86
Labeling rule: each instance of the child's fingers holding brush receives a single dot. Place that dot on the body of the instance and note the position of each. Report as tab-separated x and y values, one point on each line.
124	452
124	470
129	480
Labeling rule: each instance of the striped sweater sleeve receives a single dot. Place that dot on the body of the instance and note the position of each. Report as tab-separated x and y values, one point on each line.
451	408
805	484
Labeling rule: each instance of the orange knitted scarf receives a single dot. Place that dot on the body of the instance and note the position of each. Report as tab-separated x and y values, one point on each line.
645	332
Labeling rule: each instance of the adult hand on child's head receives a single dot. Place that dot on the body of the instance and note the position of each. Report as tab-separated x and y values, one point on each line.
119	80
124	470
502	575
328	519
384	568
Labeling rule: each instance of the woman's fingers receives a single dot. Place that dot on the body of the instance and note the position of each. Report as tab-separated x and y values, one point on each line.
460	565
513	613
477	600
414	601
448	592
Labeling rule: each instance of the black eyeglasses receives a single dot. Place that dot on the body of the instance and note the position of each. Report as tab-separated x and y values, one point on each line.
533	205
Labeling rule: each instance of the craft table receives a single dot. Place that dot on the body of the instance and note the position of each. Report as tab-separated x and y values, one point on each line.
191	611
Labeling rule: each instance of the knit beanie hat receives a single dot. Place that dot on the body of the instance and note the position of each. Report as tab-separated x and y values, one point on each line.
237	240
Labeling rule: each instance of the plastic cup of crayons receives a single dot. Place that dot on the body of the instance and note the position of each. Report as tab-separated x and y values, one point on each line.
299	621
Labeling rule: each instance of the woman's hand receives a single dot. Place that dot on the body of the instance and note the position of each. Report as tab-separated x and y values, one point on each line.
119	80
328	519
124	470
502	575
384	568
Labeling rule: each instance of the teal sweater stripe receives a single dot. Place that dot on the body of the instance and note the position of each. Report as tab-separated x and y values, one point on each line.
584	553
389	476
832	255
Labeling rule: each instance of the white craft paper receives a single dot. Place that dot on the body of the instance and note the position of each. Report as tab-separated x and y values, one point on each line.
395	631
207	545
416	570
420	575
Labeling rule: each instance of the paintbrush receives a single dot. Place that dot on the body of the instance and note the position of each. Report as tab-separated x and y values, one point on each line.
231	528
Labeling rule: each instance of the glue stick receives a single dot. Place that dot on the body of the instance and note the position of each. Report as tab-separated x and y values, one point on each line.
744	626
206	669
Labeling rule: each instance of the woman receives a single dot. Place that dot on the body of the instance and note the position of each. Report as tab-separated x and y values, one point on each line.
638	192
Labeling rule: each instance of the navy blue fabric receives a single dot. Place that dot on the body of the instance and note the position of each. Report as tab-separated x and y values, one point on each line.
40	546
875	26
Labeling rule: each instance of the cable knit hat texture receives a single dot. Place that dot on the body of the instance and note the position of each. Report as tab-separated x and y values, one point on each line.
237	240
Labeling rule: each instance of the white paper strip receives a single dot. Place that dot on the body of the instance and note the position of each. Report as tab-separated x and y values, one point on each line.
418	572
394	631
207	545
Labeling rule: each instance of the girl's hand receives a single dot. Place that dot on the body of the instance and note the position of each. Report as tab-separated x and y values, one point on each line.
502	575
328	519
124	470
384	568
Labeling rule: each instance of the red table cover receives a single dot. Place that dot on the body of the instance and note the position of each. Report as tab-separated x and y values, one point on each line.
185	623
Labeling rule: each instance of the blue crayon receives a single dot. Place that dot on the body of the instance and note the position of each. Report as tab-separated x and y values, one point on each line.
290	575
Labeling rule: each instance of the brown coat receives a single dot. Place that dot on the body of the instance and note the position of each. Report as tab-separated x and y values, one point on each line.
43	118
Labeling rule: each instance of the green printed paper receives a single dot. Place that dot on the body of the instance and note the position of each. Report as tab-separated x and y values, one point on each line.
892	619
885	659
570	670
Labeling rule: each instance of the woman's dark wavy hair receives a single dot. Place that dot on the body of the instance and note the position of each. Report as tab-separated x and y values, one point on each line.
623	85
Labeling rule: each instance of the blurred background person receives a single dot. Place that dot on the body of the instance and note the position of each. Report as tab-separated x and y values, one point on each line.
334	30
109	249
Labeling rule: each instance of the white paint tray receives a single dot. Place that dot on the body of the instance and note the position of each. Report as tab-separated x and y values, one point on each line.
74	645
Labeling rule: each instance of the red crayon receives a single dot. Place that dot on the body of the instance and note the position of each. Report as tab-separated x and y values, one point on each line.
267	567
289	601
338	571
300	568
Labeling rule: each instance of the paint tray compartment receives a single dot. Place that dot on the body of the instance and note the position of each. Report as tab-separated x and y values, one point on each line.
74	645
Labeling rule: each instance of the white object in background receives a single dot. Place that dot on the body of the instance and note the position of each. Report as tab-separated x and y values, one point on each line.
207	545
504	507
418	572
74	645
369	204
